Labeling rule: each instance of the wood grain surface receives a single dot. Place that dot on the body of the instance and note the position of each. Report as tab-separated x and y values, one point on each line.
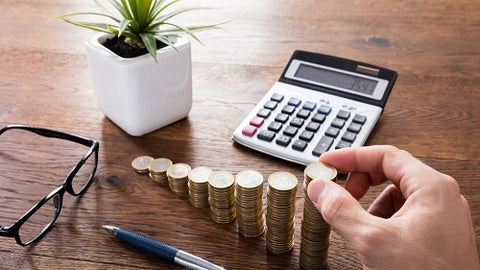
433	112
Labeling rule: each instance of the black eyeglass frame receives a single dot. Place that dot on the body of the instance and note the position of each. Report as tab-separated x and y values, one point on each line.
13	231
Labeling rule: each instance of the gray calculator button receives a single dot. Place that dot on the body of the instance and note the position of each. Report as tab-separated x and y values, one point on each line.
303	113
266	135
354	127
275	126
349	136
297	122
343	144
319	118
306	135
338	123
283	140
361	119
265	113
271	105
276	97
332	132
312	126
288	109
342	114
299	145
282	118
290	131
322	146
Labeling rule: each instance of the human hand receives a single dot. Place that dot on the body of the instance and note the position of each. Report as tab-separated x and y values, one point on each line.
420	222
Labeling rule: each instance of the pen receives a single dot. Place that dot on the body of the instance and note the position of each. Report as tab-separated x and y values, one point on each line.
161	250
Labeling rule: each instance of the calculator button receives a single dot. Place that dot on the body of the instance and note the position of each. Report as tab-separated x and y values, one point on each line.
282	118
297	122
319	118
354	127
276	97
294	101
299	145
342	114
338	123
275	126
264	113
309	105
343	144
306	135
288	109
290	131
271	105
257	121
303	113
249	131
324	109
349	136
266	135
361	119
332	132
322	146
312	126
283	140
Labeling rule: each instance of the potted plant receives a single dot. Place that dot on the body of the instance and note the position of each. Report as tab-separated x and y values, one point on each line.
141	65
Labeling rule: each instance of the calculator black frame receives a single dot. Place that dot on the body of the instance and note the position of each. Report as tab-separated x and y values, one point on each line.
343	64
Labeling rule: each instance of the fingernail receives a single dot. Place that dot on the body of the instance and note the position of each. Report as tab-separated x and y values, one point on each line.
315	188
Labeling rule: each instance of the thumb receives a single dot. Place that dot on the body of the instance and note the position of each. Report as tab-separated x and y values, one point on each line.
339	208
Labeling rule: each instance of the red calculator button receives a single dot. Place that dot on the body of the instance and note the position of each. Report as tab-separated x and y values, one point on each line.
257	121
249	131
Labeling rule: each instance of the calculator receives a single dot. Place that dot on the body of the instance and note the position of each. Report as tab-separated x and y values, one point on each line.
320	103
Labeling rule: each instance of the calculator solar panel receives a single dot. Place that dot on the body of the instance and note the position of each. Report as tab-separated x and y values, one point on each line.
302	116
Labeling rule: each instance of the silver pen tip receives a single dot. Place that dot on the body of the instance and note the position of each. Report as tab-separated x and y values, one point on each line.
110	229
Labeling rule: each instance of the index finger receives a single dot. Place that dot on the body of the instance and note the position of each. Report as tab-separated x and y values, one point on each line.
384	163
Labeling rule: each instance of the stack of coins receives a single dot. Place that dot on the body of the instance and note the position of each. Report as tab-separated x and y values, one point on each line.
221	190
178	178
315	231
158	170
280	216
198	187
140	164
248	199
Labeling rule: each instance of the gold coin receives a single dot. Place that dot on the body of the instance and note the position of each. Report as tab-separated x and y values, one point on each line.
282	181
249	179
320	170
140	164
221	180
178	170
199	175
159	165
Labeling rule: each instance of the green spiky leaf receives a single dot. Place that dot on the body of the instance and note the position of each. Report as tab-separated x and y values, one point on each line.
150	43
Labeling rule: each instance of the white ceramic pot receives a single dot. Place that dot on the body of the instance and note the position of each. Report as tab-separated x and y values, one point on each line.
138	94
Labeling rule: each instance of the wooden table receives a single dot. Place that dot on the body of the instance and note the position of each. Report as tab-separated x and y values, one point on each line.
433	112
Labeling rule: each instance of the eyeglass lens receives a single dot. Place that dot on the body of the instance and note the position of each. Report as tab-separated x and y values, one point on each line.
84	175
40	220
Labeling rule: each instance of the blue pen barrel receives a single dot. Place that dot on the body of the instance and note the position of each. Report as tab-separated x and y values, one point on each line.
147	244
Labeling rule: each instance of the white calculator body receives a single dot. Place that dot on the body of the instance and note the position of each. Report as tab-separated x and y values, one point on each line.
320	103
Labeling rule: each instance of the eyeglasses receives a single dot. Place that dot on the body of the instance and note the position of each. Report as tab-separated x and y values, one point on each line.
39	219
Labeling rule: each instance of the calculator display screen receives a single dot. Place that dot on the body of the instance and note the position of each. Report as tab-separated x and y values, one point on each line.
342	80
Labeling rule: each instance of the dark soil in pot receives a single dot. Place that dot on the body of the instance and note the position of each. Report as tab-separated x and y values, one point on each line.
119	47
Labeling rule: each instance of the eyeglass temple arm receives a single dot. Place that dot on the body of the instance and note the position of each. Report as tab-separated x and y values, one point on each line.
51	133
3	232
